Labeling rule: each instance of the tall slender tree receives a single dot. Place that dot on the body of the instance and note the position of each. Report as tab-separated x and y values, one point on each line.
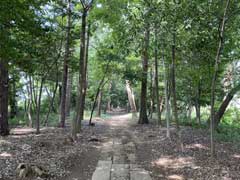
214	77
156	75
173	78
143	119
86	6
65	66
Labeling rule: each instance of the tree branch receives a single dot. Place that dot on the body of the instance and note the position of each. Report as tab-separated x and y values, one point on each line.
83	4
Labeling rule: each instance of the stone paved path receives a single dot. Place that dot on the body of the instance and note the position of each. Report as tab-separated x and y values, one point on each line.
117	160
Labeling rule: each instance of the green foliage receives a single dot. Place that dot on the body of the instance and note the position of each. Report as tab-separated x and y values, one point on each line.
33	40
229	129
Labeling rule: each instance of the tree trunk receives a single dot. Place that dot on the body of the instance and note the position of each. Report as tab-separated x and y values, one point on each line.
30	103
156	78
161	102
99	89
51	105
189	114
143	119
197	104
198	112
109	105
173	68
12	99
214	77
34	93
80	101
84	83
152	89
166	92
131	98
39	107
99	104
69	93
4	129
225	104
108	108
65	68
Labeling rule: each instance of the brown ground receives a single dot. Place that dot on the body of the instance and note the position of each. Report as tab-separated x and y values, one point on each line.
162	157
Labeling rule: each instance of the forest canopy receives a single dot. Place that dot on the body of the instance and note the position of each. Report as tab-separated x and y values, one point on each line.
172	63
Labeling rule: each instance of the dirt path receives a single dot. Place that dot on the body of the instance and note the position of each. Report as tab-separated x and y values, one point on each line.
116	151
148	147
118	159
120	145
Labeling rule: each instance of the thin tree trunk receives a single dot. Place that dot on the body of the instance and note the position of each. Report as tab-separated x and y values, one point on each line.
12	99
99	104
65	68
59	96
173	68
197	105
143	119
109	105
151	93
214	77
76	124
69	93
25	108
100	87
29	113
189	114
131	98
108	108
84	75
34	93
156	78
161	101
166	90
39	107
4	129
30	103
198	112
51	106
224	105
80	103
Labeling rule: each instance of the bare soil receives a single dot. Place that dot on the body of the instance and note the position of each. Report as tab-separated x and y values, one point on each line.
162	157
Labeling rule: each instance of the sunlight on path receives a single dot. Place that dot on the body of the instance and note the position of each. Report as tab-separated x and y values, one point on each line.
116	162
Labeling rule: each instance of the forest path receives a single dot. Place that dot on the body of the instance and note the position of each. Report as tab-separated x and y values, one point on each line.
118	154
128	151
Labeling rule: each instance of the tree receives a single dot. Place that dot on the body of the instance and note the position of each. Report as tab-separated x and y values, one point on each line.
156	79
221	110
65	67
143	119
173	74
4	129
214	77
99	104
86	6
15	31
131	98
166	92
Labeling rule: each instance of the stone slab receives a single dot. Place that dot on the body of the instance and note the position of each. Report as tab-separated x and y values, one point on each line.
140	175
106	155
120	172
131	157
103	171
135	167
104	164
119	159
